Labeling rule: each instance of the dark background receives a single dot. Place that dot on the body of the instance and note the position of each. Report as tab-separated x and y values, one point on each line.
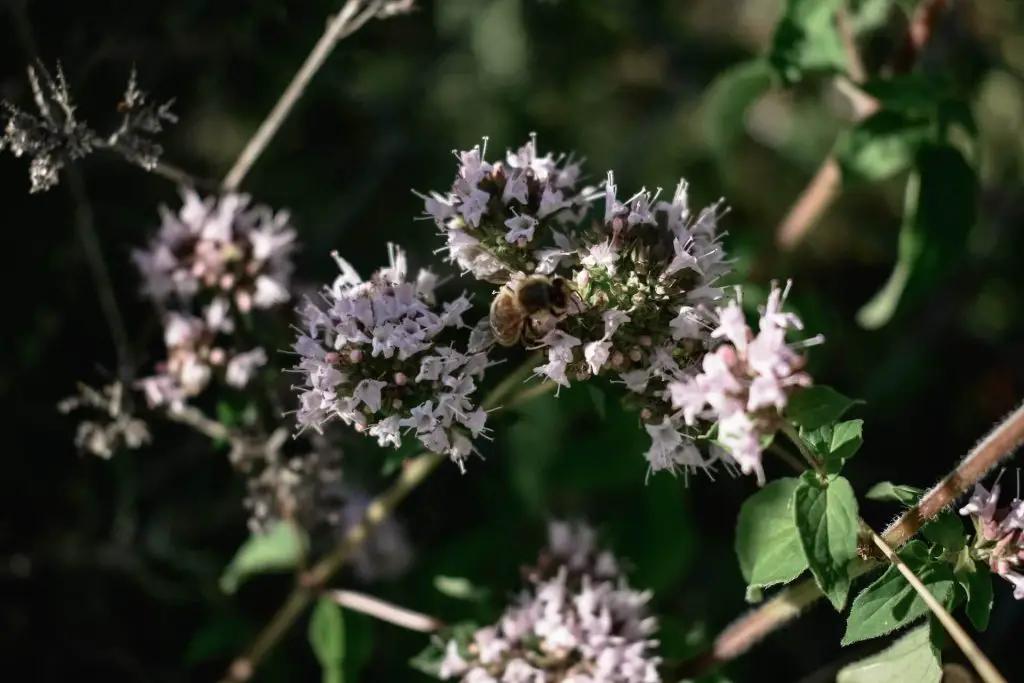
109	568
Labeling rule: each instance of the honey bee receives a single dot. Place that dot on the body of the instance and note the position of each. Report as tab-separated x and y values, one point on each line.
523	306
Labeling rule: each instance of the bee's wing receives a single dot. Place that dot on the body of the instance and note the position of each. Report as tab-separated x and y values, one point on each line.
481	337
576	304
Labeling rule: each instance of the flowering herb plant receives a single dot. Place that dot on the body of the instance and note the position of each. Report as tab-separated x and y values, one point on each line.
629	294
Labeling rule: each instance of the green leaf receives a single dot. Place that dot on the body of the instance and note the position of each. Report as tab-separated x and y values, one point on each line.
767	542
817	406
910	658
947	530
886	490
880	146
914	95
940	208
835	444
460	588
847	438
727	99
890	602
826	520
327	638
806	40
976	581
280	549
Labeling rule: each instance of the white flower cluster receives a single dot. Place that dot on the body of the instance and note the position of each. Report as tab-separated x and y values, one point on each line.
374	355
644	279
213	260
220	248
1001	531
500	217
579	622
643	276
193	358
744	385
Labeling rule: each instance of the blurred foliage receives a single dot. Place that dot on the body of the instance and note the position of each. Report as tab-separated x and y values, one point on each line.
111	568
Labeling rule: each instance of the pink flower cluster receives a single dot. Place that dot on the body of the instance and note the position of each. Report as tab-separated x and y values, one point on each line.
1002	531
745	383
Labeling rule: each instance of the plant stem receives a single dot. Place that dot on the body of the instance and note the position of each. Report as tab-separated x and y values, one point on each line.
311	582
775	613
385	611
346	22
999	443
413	474
988	672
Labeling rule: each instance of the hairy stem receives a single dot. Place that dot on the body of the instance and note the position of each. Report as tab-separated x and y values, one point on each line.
775	613
346	22
999	443
986	670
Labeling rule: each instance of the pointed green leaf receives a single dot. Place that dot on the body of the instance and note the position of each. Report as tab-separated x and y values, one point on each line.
886	490
827	523
817	406
976	580
280	549
940	208
947	530
834	444
327	638
847	438
890	602
880	146
460	588
767	543
806	40
910	658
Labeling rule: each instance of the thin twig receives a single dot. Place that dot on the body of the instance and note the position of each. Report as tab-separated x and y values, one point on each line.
385	611
86	229
778	611
302	595
345	23
988	672
413	474
170	172
824	187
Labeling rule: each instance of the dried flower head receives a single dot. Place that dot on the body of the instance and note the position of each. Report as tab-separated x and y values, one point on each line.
222	251
577	622
1000	538
378	355
745	383
115	428
311	492
56	136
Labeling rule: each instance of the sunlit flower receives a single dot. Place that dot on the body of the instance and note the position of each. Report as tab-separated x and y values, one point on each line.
377	356
578	621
